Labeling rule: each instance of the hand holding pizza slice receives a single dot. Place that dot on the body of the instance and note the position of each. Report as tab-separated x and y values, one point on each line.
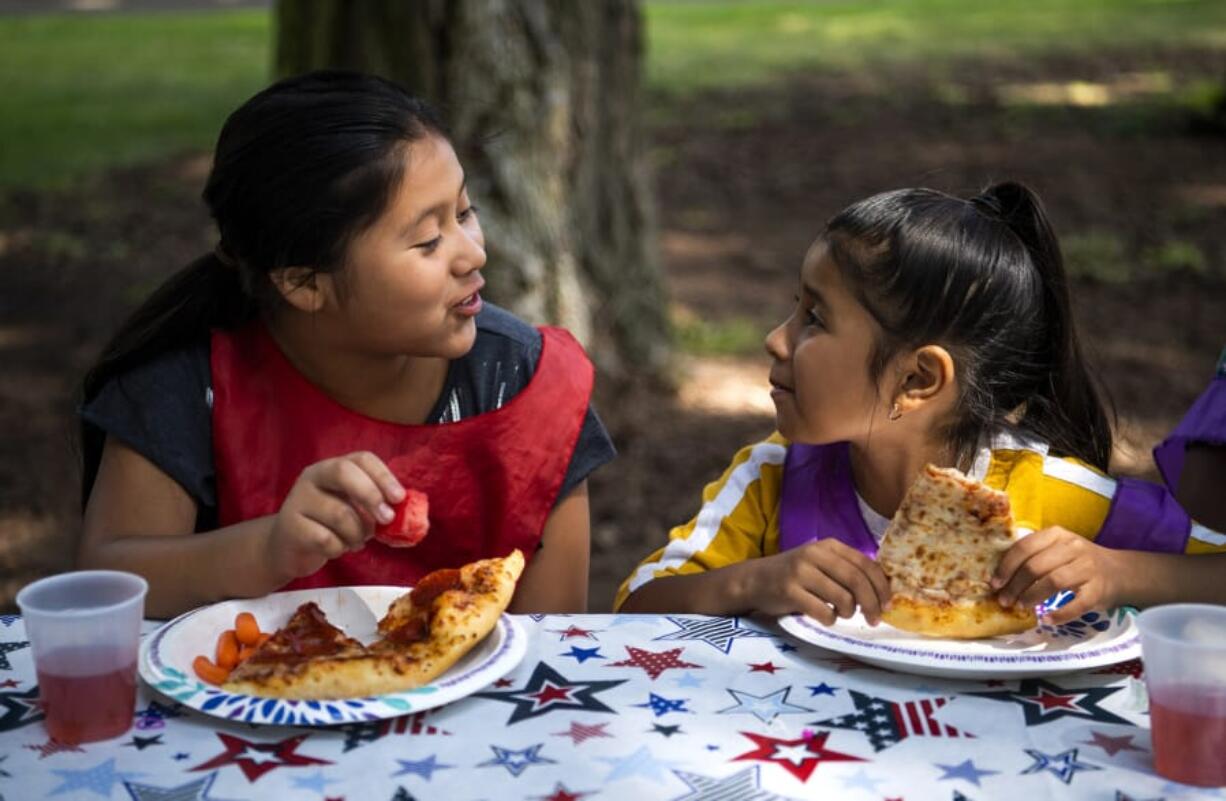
941	552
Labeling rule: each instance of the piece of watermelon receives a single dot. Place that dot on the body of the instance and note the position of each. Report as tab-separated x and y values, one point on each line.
410	524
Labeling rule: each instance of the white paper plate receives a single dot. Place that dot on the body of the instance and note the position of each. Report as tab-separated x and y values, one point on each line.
166	659
1094	640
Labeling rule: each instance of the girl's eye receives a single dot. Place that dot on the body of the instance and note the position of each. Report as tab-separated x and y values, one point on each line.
431	246
811	317
467	214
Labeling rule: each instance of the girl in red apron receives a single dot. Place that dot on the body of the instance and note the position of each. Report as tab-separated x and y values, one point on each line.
238	430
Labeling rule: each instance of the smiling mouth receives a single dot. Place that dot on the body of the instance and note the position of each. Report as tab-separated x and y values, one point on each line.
470	301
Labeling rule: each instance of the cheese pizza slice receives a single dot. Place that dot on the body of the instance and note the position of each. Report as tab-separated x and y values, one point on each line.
940	552
311	659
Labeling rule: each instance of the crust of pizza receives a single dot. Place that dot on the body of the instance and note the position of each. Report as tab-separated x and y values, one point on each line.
963	620
421	641
940	552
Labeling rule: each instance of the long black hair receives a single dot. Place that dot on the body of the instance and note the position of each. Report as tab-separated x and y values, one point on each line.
299	171
984	278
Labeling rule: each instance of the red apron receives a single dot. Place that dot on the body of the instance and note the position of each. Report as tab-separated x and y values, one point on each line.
492	479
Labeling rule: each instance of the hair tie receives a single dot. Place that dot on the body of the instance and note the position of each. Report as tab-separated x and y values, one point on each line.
989	204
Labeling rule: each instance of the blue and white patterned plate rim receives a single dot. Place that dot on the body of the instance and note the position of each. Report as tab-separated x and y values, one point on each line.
1121	642
508	648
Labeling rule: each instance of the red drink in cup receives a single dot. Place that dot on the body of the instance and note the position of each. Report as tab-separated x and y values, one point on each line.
1189	733
81	703
1184	648
84	629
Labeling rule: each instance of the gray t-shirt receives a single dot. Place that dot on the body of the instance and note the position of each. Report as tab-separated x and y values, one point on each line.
162	409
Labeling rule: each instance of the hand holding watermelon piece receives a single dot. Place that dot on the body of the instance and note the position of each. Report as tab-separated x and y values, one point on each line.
410	524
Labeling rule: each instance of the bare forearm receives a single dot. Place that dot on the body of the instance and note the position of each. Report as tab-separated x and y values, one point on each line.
714	592
187	570
1147	579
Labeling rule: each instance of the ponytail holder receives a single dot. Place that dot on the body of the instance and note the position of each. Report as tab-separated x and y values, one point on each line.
988	204
222	254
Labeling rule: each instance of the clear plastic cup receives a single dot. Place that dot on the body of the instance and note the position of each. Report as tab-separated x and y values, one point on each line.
84	630
1184	649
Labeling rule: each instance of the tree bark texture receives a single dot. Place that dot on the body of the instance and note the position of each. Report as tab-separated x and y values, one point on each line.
543	101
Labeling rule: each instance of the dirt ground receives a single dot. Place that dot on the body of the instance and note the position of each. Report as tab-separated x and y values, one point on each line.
744	181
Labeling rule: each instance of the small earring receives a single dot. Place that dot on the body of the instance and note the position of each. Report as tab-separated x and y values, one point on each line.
894	412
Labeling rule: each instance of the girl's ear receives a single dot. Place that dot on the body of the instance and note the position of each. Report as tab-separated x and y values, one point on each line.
928	375
302	287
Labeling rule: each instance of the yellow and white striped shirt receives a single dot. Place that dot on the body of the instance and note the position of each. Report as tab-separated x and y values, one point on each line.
739	518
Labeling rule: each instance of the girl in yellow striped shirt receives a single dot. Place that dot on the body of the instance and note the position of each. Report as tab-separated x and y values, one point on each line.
928	329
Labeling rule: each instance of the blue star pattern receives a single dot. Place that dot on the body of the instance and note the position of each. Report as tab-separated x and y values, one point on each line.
197	790
763	707
821	689
516	762
9	620
640	763
19	708
861	780
718	632
1042	702
581	655
1064	766
548	691
316	781
964	770
99	779
660	705
689	680
7	648
886	723
744	785
422	767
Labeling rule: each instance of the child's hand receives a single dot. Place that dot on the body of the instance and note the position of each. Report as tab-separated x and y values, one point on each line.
332	508
1056	559
824	579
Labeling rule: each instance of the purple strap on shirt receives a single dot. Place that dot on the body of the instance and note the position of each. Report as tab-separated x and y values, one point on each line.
818	499
1204	422
1144	517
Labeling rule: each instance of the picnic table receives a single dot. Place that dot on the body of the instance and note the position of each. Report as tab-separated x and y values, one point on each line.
630	707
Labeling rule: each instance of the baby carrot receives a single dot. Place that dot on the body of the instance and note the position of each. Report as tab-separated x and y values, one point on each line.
210	672
244	652
265	637
246	629
227	649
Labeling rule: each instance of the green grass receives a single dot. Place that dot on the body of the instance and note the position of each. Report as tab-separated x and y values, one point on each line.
83	93
699	45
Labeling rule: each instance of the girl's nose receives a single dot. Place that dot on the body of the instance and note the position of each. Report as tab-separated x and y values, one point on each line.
472	253
777	342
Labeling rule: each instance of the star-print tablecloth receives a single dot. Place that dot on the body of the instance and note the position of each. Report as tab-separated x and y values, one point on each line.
631	707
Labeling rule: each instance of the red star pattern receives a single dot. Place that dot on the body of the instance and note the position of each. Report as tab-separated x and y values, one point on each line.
1050	700
561	793
7	683
550	692
574	631
52	747
800	757
654	662
271	756
1112	745
581	732
503	683
764	667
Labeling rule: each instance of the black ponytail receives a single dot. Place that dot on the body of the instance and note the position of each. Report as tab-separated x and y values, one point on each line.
205	294
299	170
1068	410
984	278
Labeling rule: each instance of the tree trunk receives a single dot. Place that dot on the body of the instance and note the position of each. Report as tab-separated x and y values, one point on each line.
542	98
